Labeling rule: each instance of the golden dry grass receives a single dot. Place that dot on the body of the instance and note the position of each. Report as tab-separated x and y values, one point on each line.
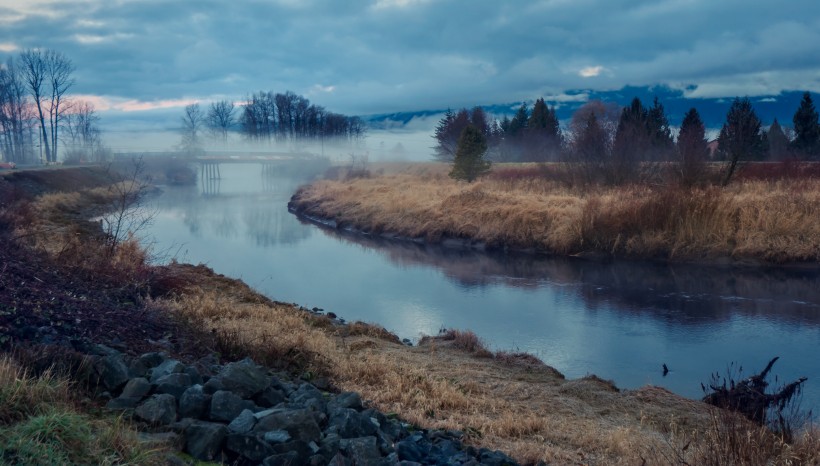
527	410
772	221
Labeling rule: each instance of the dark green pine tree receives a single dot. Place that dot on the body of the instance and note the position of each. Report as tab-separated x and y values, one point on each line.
631	144
519	121
540	115
740	137
692	148
469	162
660	135
778	142
806	128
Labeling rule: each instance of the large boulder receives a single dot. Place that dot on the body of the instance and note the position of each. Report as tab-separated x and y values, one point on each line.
245	378
194	402
299	423
203	440
112	372
226	406
137	387
169	366
349	423
173	384
158	409
249	446
363	451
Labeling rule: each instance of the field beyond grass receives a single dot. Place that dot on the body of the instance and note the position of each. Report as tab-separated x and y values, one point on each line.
750	221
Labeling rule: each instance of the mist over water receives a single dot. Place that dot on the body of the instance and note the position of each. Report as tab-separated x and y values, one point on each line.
620	321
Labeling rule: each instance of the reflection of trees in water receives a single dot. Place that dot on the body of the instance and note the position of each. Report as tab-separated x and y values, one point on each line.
269	225
680	294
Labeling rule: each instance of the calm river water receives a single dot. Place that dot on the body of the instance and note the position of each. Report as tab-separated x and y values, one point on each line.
620	321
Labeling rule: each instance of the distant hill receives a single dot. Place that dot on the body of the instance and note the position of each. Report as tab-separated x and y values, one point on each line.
712	111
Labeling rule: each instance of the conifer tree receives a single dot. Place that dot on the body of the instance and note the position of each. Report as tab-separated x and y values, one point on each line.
740	137
806	128
778	142
692	148
469	162
660	135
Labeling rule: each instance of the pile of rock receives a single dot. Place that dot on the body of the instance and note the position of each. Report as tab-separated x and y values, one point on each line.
240	413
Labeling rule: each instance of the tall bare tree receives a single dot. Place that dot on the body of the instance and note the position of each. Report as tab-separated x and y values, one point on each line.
16	117
192	122
59	69
80	124
220	118
33	65
47	76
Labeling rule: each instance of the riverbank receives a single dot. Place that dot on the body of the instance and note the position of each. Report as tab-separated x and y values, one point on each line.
751	222
497	400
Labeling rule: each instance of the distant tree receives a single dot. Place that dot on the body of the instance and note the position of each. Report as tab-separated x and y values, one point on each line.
778	142
47	76
518	123
661	144
692	149
631	145
591	146
449	129
16	115
469	162
740	137
543	134
806	128
84	137
193	121
220	118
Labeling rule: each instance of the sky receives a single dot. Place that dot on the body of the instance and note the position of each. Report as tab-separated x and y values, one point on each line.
364	57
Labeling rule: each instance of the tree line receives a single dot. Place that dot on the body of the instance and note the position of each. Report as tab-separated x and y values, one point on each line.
605	143
35	110
266	116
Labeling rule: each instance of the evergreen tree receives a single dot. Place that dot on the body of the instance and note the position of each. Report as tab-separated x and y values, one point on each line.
740	137
778	142
447	132
469	162
692	148
543	135
631	144
519	121
660	135
806	128
540	115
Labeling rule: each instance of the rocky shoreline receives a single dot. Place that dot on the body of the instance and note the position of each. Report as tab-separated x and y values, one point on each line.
242	413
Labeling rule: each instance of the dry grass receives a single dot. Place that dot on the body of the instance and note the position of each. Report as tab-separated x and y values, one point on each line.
526	409
772	221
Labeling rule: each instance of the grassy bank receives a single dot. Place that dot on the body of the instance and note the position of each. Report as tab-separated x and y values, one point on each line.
59	273
757	221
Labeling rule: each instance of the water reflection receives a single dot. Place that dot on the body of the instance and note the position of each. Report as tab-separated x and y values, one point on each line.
675	293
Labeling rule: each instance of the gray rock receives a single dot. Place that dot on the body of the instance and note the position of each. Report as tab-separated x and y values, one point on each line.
225	406
194	402
158	409
350	400
173	384
270	397
111	371
329	445
349	423
248	446
152	360
277	436
243	423
123	403
290	458
362	451
193	372
245	378
203	440
299	423
301	448
136	388
410	451
339	460
213	385
495	458
169	366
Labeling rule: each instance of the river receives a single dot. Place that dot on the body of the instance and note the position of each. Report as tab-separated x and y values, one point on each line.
621	321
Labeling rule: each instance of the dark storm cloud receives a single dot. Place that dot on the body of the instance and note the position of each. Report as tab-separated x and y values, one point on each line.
384	55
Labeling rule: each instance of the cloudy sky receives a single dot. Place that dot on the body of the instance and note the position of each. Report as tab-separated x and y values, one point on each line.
377	56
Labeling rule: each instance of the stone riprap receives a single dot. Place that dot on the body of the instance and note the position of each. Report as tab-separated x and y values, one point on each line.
241	413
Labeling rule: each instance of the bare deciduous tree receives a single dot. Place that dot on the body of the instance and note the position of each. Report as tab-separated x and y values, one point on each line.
16	117
220	118
47	76
192	122
80	124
